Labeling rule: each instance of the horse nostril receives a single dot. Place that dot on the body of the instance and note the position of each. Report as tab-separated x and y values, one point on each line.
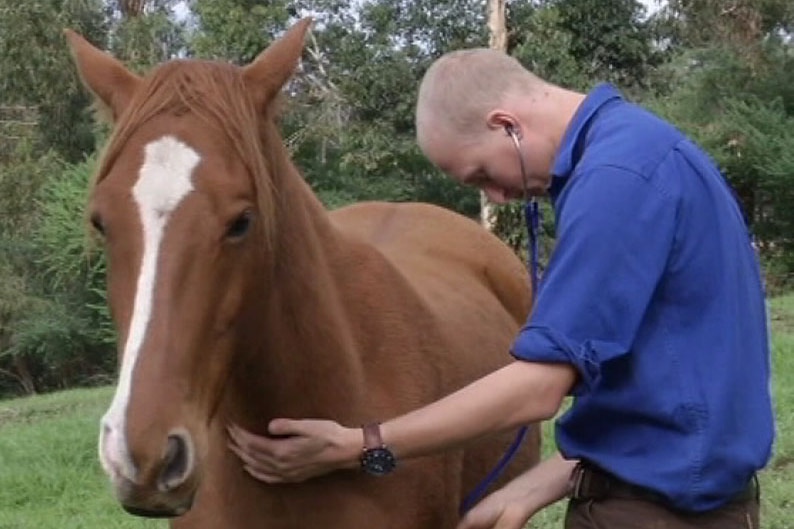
176	463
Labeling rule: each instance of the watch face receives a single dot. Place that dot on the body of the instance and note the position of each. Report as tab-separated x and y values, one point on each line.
378	461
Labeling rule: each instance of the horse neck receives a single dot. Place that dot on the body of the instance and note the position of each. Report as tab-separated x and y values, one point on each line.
301	350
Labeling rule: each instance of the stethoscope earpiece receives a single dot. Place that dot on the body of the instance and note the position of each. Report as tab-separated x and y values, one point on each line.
511	131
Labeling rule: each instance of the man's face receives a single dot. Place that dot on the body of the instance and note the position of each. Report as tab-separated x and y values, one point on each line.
488	161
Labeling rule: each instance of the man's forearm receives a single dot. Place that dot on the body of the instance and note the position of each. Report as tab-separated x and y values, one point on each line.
517	394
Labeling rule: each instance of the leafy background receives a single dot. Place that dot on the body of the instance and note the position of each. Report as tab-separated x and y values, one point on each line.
723	71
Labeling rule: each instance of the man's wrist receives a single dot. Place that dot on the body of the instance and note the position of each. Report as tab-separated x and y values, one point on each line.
376	458
349	444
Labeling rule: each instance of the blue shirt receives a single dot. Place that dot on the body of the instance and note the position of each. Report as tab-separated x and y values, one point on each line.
654	294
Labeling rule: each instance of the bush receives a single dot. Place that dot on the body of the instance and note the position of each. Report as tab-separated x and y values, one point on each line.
58	333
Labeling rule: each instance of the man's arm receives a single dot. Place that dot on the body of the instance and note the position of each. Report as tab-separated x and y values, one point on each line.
519	393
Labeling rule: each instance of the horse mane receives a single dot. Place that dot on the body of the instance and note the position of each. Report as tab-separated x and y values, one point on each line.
216	93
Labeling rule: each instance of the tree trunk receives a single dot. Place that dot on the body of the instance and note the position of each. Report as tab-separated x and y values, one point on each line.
132	8
498	41
24	375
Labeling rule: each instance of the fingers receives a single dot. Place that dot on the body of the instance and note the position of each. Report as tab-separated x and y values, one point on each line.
284	427
504	521
260	466
477	519
255	468
265	450
320	430
252	442
270	479
293	450
271	460
495	512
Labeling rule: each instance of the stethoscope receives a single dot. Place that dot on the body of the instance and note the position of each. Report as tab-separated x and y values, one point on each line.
531	211
532	218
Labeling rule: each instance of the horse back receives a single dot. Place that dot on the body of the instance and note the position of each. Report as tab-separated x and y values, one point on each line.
437	249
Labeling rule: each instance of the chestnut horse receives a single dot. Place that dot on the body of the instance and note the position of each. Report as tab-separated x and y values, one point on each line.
238	298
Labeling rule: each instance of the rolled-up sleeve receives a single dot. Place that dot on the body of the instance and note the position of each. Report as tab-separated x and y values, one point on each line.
615	233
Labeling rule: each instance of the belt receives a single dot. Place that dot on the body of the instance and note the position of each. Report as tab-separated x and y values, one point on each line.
591	483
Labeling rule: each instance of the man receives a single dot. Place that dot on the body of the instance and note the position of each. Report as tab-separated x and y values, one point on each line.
651	314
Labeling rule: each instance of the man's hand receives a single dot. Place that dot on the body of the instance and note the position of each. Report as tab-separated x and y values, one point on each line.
296	450
513	505
497	512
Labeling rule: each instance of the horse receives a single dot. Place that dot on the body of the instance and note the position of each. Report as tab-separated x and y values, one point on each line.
238	297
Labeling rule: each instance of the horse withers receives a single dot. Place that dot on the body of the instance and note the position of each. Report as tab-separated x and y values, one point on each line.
238	298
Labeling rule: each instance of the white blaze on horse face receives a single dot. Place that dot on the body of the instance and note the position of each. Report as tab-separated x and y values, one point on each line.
164	181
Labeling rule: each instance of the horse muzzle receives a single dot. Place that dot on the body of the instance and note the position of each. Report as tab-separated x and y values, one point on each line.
163	488
169	512
146	503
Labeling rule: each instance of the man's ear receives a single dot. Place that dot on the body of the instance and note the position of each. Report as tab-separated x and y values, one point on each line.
111	83
501	119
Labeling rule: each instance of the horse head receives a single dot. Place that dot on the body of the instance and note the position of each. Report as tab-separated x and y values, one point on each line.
185	201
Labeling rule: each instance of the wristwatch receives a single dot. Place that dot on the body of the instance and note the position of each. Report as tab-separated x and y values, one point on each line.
376	458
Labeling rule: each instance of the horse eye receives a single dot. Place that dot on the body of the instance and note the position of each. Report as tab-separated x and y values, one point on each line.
96	222
239	226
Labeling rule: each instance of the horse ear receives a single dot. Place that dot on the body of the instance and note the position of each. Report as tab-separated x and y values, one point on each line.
273	67
112	84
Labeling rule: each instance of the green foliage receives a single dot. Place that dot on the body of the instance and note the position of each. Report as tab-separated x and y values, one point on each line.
609	39
703	23
36	70
144	41
425	28
21	178
65	261
61	234
724	74
544	47
235	30
14	303
576	43
57	332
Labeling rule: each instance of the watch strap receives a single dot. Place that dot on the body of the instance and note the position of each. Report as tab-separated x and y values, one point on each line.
372	436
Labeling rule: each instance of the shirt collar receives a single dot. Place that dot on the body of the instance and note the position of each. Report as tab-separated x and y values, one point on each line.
569	151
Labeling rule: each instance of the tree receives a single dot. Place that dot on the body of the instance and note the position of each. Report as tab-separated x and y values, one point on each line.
55	331
36	72
610	39
737	23
235	30
145	33
22	174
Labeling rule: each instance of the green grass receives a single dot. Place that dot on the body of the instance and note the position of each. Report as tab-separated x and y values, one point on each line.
49	473
50	477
